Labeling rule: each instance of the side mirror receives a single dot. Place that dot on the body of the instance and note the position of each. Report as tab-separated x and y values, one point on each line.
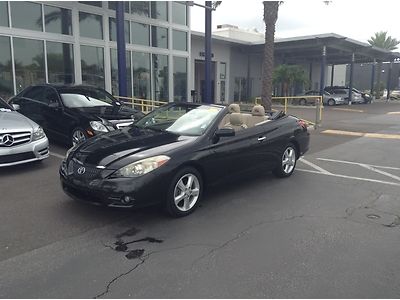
225	132
16	106
54	105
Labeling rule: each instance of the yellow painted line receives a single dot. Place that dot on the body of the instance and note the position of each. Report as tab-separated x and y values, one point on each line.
364	134
394	113
348	109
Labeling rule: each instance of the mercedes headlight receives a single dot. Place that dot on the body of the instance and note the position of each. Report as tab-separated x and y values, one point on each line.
98	126
38	134
142	167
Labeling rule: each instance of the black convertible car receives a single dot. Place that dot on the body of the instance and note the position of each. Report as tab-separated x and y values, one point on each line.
73	113
168	155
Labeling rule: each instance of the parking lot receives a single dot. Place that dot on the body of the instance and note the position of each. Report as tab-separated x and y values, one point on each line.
329	231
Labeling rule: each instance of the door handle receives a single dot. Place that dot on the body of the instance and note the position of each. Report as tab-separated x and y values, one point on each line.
261	138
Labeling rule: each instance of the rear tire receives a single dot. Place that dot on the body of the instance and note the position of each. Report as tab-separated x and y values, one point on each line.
184	193
287	162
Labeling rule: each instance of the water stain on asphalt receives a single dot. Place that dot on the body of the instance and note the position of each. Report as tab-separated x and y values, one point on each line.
130	232
135	254
122	246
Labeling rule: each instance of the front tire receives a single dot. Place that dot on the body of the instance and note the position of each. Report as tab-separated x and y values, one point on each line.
287	164
78	136
184	193
331	102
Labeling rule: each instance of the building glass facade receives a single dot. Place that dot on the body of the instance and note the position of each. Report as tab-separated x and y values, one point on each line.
75	42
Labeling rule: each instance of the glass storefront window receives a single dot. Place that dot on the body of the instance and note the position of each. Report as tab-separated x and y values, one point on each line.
222	71
160	71
179	13
141	75
26	15
159	37
3	14
114	73
57	20
140	8
180	79
60	62
113	30
179	40
92	61
113	5
29	62
91	25
140	34
159	10
6	76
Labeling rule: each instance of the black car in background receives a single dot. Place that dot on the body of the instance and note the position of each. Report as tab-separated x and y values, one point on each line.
74	113
169	155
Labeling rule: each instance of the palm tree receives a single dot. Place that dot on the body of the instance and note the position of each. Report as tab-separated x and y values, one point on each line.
270	18
288	76
382	40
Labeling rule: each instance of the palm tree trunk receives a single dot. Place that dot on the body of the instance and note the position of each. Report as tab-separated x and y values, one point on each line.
270	17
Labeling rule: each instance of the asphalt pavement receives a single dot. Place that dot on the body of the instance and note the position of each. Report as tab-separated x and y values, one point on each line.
329	231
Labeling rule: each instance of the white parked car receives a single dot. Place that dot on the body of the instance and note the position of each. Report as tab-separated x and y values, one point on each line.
21	139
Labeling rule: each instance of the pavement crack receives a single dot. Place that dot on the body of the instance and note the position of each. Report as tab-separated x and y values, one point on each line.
243	233
142	261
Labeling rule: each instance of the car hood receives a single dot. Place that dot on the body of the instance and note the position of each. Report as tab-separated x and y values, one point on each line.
116	149
14	121
107	112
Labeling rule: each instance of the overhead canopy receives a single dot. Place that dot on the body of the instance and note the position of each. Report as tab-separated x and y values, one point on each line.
339	49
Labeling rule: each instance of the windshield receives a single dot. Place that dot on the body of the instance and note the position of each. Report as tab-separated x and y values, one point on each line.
77	100
183	120
4	106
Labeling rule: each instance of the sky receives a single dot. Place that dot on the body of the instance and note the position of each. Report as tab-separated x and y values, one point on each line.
352	18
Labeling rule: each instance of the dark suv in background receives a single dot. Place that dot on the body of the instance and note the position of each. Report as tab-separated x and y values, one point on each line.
358	96
73	113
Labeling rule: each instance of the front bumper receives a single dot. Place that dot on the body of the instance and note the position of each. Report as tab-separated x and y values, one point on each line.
99	189
21	154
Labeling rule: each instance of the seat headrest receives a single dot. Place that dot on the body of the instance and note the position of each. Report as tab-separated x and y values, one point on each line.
258	110
234	108
236	119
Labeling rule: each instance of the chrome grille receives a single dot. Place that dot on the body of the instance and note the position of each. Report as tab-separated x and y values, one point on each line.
18	138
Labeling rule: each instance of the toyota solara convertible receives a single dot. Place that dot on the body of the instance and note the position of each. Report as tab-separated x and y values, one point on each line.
168	156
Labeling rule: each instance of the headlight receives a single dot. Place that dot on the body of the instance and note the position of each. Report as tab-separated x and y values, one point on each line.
98	126
142	167
38	134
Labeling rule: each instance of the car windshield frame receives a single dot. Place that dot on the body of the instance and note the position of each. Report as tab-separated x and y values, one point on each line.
4	106
205	115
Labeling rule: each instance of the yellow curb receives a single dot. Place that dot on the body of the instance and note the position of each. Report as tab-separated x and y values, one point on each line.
349	109
393	113
364	134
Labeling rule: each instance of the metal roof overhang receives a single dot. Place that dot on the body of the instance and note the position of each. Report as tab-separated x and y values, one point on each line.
339	50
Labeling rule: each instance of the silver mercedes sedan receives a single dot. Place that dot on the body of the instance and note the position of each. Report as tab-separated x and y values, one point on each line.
21	139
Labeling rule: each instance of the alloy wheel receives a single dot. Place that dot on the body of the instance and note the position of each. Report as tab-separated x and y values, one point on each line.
288	160
78	136
186	192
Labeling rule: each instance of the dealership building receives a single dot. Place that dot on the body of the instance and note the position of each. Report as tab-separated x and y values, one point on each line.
75	42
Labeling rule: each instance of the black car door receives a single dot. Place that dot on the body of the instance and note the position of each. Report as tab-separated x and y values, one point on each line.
55	121
31	104
235	154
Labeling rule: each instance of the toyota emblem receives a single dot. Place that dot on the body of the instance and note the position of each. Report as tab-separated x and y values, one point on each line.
7	140
81	170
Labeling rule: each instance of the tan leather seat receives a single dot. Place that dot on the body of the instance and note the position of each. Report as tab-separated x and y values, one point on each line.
232	108
236	122
257	116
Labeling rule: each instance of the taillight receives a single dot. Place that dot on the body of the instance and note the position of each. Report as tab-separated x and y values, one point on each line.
302	123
